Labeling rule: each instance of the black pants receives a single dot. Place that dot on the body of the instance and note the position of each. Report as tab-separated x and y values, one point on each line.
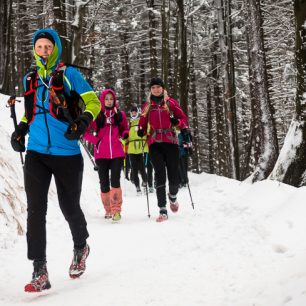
165	160
137	164
183	169
149	167
68	174
115	166
128	172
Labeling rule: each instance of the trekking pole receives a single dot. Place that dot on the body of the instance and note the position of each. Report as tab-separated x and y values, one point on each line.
11	104
124	169
89	155
186	180
146	172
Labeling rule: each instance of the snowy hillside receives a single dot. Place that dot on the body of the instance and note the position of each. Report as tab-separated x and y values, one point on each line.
243	245
12	196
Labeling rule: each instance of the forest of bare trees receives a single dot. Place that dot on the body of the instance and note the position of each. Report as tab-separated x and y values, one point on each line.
237	68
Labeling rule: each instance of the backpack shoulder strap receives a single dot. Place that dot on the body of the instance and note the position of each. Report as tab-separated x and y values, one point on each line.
30	80
59	78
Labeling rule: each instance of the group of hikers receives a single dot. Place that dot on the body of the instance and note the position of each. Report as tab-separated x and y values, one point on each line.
54	124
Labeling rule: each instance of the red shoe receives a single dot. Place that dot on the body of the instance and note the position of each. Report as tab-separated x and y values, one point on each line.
40	279
162	217
78	265
174	206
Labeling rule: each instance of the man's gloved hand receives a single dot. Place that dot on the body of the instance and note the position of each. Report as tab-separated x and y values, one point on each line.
125	136
140	132
185	133
76	129
174	121
18	137
187	140
18	142
118	117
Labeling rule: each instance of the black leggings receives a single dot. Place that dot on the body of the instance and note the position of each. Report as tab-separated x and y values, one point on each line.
115	166
137	164
165	156
149	167
183	169
68	173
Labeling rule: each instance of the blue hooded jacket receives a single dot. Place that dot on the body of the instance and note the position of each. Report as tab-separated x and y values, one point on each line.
46	133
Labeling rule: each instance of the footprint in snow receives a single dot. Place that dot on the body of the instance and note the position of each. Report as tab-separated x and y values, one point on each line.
281	249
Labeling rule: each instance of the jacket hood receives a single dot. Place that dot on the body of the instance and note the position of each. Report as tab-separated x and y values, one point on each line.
102	98
55	56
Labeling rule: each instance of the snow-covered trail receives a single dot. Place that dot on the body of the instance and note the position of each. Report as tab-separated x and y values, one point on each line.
221	254
243	245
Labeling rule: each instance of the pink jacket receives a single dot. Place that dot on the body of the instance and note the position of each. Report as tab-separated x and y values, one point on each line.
158	117
107	142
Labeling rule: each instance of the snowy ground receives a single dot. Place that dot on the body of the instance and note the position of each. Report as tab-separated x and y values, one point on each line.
243	245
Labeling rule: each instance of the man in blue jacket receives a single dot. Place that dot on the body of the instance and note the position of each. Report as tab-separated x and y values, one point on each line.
54	126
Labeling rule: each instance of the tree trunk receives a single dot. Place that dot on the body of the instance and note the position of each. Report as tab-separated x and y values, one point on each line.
152	38
77	56
260	96
5	87
182	51
210	134
196	165
221	152
291	164
59	24
126	74
165	11
143	87
227	63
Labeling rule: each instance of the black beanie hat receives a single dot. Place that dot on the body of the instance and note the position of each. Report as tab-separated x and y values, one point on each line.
44	35
157	81
134	109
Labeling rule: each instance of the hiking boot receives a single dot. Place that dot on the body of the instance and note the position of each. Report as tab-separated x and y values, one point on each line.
174	205
78	265
117	217
40	279
108	216
163	215
138	190
143	184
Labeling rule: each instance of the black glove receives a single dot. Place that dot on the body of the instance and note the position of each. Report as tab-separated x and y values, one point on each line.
18	137
140	133
22	129
78	127
187	141
118	117
17	142
125	136
184	131
174	121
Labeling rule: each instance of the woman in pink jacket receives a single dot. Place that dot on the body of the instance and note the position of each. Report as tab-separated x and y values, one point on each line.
160	118
110	126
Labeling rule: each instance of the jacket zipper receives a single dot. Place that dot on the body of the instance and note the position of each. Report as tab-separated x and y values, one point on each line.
45	116
110	136
160	123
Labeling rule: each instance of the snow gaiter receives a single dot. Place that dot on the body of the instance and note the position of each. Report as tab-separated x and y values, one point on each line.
105	197
115	200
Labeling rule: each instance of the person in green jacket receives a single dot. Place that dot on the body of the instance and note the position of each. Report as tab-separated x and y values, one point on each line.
137	150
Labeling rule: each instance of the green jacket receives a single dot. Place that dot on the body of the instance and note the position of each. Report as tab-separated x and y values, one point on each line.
136	143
